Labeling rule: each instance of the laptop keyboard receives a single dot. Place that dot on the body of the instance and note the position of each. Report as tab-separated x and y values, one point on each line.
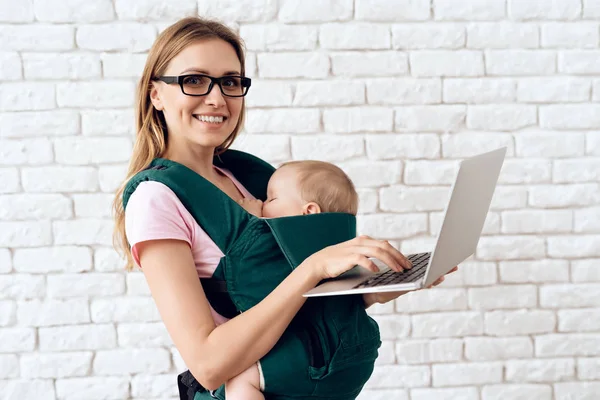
391	277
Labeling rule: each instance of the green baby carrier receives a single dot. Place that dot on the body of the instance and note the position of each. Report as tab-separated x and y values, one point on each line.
329	349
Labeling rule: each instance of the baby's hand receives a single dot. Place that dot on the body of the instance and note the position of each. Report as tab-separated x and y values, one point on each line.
254	207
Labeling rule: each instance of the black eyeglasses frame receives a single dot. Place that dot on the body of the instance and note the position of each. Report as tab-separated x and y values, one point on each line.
244	81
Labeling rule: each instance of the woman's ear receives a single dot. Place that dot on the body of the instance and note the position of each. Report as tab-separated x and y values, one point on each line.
311	208
155	97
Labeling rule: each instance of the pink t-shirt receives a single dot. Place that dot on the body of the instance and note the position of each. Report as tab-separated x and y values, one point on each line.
155	212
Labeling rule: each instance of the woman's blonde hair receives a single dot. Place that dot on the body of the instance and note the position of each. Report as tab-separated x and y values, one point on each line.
151	128
326	184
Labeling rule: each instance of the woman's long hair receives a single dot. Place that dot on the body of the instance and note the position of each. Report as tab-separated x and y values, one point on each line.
150	125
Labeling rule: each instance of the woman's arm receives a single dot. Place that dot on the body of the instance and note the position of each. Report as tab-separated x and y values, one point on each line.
216	354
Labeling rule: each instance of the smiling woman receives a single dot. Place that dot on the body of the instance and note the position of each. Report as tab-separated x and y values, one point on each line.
174	219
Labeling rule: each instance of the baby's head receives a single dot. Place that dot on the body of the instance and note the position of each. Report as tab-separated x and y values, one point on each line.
309	187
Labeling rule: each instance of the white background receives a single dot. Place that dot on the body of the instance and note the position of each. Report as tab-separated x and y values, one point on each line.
396	93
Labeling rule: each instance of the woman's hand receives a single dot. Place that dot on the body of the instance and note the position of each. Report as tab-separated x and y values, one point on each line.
382	298
333	261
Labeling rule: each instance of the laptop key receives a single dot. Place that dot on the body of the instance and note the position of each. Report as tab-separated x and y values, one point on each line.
391	277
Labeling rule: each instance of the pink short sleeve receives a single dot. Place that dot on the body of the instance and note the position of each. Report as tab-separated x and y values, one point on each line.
154	212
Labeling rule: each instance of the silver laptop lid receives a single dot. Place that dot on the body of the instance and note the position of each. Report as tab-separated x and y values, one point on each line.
465	213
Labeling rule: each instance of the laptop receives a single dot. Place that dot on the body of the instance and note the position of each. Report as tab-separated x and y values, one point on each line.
464	217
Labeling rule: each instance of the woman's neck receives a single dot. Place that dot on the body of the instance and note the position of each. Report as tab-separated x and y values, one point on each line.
199	161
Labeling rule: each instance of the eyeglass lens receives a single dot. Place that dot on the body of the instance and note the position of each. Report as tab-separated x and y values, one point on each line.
200	84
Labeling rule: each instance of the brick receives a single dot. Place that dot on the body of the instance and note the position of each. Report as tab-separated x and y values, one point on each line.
5	261
579	320
89	231
587	220
367	201
537	221
387	356
517	392
576	390
8	312
278	150
576	170
428	36
107	259
131	361
299	120
123	65
574	246
10	180
291	11
393	326
40	36
502	35
25	96
530	10
25	234
41	206
61	66
53	259
372	63
358	119
561	345
38	313
329	148
463	145
538	271
275	37
153	9
93	205
372	394
108	122
128	36
56	365
492	349
446	63
333	93
86	151
404	91
39	123
438	299
579	62
588	369
103	94
28	151
143	335
520	62
425	172
412	199
466	374
93	388
429	351
9	366
592	140
393	11
505	117
476	90
521	322
569	295
136	284
548	144
59	179
267	93
403	146
17	340
293	65
585	271
10	66
553	90
448	324
567	35
399	376
473	273
393	226
570	195
82	285
591	8
540	370
354	36
17	12
469	10
510	248
503	296
154	385
76	338
110	177
73	11
124	309
439	118
466	393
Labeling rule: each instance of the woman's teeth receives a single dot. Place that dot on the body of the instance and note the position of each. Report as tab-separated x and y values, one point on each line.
210	119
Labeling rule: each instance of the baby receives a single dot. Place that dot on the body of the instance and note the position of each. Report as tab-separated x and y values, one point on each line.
295	188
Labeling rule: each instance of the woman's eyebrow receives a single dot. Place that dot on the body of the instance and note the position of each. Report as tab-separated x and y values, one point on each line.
201	71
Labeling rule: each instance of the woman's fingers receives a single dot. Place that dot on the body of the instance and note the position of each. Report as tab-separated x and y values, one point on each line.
376	252
387	251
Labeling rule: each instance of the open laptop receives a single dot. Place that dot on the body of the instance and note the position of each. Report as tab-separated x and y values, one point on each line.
464	218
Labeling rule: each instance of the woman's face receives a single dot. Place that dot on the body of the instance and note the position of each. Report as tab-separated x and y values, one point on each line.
183	113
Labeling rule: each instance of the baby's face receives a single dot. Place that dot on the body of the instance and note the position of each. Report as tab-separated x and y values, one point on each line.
283	194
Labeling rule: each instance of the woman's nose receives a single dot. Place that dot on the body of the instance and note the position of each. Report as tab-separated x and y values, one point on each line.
215	97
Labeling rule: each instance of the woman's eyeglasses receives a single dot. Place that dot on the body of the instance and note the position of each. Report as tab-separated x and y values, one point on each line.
201	85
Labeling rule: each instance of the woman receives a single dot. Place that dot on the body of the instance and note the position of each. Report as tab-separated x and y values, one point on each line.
159	235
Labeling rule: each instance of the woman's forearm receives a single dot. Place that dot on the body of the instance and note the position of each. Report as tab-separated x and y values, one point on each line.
243	340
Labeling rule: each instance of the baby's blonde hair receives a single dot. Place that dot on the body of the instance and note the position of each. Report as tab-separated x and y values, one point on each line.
325	184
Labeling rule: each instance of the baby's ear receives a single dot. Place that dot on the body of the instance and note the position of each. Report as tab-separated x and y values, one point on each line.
311	208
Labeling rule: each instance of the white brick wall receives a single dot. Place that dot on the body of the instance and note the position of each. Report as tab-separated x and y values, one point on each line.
395	92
